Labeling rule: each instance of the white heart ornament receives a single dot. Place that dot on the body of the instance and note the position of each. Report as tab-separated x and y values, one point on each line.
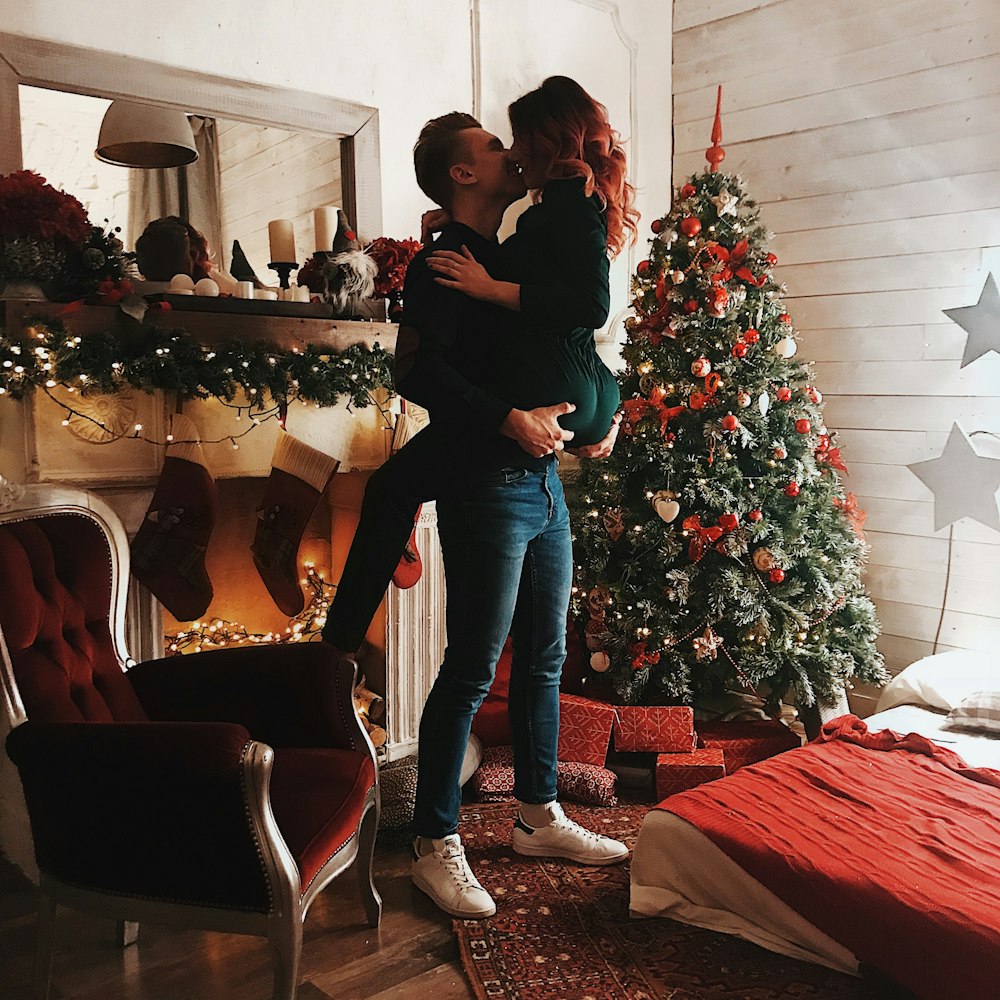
667	510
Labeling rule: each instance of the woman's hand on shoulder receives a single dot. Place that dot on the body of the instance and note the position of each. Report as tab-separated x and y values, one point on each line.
433	222
463	272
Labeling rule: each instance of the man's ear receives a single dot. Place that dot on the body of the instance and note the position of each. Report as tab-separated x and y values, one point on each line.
462	173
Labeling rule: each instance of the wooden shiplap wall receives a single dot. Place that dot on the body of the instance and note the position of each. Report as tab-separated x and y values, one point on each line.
870	133
267	173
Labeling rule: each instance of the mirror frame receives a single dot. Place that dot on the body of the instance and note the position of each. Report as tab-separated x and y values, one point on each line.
55	66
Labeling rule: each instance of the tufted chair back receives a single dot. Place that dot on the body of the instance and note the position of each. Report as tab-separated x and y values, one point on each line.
56	619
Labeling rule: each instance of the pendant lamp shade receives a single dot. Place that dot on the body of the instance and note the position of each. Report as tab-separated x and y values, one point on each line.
143	135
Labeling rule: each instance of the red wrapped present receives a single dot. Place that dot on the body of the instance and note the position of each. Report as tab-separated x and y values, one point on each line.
747	742
676	772
657	728
584	729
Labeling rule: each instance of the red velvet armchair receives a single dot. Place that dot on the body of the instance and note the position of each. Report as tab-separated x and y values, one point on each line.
221	790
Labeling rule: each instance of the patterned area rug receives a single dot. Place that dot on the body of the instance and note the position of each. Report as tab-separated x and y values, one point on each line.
562	930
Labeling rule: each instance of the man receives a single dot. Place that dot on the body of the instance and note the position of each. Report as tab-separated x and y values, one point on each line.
505	536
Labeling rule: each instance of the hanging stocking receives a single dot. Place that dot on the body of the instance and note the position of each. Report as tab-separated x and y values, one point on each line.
410	421
168	553
299	474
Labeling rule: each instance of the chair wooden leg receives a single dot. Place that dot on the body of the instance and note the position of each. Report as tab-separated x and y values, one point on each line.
46	944
366	852
126	933
285	939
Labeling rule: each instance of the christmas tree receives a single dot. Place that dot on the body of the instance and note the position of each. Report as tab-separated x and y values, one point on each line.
716	547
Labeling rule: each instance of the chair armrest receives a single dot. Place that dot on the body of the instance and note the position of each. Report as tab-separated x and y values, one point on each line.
151	809
287	696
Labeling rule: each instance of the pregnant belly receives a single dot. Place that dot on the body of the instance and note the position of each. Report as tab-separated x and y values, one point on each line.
558	373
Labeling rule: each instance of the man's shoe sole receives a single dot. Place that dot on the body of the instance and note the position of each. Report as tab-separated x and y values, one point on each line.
453	911
544	852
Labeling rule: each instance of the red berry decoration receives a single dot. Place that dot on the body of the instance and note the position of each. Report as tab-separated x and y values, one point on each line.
690	226
784	394
729	522
803	426
792	489
785	318
656	225
756	515
691	306
729	423
777	575
771	260
643	268
688	191
740	349
751	336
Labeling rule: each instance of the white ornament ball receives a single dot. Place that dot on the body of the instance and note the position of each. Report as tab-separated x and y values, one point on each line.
600	661
700	367
181	283
786	347
676	277
763	403
206	287
743	399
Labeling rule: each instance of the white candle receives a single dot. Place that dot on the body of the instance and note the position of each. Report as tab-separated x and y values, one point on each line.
282	239
325	222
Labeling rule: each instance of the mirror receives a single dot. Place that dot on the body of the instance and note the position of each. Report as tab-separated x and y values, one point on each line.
246	175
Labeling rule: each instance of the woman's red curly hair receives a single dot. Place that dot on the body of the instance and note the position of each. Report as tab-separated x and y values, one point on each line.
569	131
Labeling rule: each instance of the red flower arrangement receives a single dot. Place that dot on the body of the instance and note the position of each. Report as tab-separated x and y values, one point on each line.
29	207
393	258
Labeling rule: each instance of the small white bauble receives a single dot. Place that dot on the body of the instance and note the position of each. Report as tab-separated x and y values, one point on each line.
814	394
743	399
763	403
700	367
786	347
206	287
676	277
600	661
181	282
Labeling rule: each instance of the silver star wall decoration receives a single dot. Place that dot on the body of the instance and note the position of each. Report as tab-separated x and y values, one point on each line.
981	321
964	483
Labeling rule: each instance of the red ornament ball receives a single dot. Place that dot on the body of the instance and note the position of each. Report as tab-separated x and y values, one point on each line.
691	306
784	394
777	575
803	426
740	349
785	318
656	225
690	226
729	423
756	515
643	268
688	191
792	489
751	336
729	522
771	260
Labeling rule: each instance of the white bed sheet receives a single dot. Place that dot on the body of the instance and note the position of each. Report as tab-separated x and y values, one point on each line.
678	872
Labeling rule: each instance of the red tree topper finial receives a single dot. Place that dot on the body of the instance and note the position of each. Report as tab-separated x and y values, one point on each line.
715	154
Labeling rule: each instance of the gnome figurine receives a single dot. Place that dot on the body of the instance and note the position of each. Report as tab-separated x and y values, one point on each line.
348	271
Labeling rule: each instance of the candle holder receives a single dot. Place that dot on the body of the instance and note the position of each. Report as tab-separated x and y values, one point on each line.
284	269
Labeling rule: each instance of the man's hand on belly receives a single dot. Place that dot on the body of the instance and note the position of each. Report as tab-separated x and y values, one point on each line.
537	431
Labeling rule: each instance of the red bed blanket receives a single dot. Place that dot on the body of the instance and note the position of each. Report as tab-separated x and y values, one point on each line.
889	844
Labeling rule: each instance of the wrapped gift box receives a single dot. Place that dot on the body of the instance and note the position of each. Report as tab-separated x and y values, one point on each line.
584	729
676	772
747	742
657	728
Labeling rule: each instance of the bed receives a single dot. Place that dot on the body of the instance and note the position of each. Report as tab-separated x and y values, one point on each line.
772	853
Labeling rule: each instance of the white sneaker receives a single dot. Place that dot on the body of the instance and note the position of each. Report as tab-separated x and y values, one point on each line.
445	875
563	838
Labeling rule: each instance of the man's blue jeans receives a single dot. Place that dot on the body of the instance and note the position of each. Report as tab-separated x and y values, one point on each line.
508	566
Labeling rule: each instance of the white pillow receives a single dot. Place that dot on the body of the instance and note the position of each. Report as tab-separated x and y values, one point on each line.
943	680
980	712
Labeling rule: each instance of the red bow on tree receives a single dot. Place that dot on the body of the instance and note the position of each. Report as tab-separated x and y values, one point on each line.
702	536
636	409
735	261
640	658
854	514
831	457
